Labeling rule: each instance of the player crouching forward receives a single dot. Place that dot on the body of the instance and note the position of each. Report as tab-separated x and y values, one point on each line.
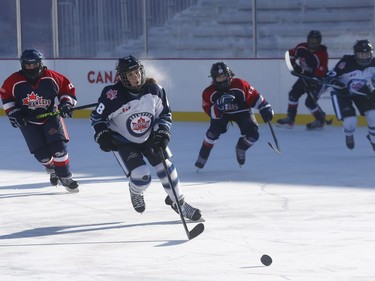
133	119
230	99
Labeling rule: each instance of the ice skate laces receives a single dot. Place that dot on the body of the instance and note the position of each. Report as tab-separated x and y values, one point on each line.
138	201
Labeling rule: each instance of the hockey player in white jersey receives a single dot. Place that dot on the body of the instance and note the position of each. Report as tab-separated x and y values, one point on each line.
133	119
355	73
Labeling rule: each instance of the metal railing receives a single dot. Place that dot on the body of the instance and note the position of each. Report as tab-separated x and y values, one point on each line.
179	28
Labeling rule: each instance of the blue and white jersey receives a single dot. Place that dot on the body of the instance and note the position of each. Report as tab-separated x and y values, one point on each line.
354	76
132	116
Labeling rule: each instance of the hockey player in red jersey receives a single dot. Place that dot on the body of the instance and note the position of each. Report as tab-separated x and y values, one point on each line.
230	99
311	59
355	72
31	92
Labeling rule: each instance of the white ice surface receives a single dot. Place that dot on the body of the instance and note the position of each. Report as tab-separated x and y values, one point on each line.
311	208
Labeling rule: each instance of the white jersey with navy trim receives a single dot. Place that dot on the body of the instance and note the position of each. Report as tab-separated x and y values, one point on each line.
133	116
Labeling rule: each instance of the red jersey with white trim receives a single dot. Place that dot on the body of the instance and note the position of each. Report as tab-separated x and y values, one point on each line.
312	63
246	97
38	98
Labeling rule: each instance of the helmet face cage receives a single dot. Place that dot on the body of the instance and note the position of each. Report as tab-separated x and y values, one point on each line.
363	52
128	64
218	69
314	39
32	56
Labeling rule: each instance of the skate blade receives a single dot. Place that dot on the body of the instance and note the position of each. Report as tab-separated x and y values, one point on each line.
285	126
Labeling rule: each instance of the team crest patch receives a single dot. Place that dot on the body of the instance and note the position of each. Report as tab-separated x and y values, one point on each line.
33	101
112	94
341	65
357	84
140	123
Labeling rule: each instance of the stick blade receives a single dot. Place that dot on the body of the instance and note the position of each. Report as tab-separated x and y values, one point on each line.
277	149
197	230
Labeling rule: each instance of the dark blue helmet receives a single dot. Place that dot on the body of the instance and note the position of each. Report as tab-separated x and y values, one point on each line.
363	52
32	57
218	69
314	39
127	64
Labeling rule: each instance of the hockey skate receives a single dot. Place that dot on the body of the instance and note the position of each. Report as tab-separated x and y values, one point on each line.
286	122
241	148
188	211
240	155
200	162
70	184
138	201
372	144
349	140
53	178
315	125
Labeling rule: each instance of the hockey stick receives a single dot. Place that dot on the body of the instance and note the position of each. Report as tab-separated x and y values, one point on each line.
199	228
121	163
328	122
317	80
276	146
57	112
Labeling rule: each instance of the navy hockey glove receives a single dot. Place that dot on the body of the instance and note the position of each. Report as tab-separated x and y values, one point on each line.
66	110
266	111
223	103
161	139
106	141
16	118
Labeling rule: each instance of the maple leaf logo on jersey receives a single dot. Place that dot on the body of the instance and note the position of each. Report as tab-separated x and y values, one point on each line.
341	65
112	94
141	125
357	84
33	101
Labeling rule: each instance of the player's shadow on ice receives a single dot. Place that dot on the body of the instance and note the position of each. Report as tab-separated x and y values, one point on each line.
69	229
46	184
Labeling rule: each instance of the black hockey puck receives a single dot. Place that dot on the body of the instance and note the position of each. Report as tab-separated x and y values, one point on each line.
266	260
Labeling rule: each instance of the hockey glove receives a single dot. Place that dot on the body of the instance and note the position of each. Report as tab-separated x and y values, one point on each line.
16	118
223	103
266	111
341	87
297	68
66	110
161	139
106	141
